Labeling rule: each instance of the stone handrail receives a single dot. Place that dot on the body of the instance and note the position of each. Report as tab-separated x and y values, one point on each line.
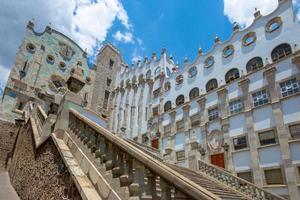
134	166
237	183
154	153
41	115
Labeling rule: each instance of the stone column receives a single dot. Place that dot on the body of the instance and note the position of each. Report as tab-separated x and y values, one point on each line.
282	133
112	110
120	114
252	137
140	109
150	86
224	112
133	111
126	117
203	127
170	145
203	117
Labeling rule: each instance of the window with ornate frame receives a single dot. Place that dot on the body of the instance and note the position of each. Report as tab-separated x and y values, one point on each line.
228	51
180	155
179	79
62	65
236	106
289	87
155	111
156	93
295	131
30	47
273	24
254	64
168	106
273	176
267	137
180	100
209	61
260	98
50	59
240	143
249	38
281	51
194	93
213	114
192	72
231	75
211	85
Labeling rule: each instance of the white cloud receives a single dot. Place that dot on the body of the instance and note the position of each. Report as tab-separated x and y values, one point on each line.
89	25
4	72
123	37
241	11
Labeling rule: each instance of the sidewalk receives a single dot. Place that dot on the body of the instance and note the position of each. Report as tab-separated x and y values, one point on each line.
6	189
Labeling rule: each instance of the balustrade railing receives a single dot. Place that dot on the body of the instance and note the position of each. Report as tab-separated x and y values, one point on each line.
41	115
146	177
237	183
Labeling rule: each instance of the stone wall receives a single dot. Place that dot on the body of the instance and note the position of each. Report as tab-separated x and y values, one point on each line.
8	133
39	173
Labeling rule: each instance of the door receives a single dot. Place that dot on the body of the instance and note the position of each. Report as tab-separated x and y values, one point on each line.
218	160
154	143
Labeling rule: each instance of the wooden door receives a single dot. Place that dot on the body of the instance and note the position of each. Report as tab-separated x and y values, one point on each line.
218	160
154	143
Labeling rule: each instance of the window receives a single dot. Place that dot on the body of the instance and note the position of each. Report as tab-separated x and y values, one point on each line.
111	63
240	143
155	111
247	176
20	105
249	38
231	75
156	93
179	100
106	96
167	130
180	125
192	72
254	64
211	85
108	82
209	61
267	137
194	93
62	65
295	131
289	87
180	155
260	98
273	176
228	51
167	86
273	24
195	120
236	106
145	138
281	51
30	47
179	79
50	59
57	84
168	106
213	114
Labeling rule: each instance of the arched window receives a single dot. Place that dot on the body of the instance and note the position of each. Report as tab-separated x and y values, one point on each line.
192	72
231	75
179	100
211	85
281	51
228	51
168	106
157	72
167	86
273	24
249	38
254	64
179	79
194	93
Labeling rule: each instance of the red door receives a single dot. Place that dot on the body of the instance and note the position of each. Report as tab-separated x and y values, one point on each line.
154	143
218	160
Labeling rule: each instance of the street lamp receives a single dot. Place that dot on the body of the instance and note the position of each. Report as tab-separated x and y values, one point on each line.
225	146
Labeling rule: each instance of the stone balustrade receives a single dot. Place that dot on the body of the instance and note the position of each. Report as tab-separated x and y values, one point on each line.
237	183
145	177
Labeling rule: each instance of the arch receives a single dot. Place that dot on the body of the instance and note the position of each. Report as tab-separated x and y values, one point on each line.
254	64
281	51
157	72
179	79
211	84
194	93
231	75
179	100
148	74
168	106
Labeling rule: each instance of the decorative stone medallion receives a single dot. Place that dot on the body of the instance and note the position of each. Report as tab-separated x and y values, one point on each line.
215	140
66	51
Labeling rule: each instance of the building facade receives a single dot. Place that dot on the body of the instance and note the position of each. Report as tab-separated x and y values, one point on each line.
236	106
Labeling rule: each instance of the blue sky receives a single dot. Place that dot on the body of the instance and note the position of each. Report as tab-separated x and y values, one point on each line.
136	27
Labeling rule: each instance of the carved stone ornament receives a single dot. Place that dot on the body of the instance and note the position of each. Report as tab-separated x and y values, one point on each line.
66	51
215	141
